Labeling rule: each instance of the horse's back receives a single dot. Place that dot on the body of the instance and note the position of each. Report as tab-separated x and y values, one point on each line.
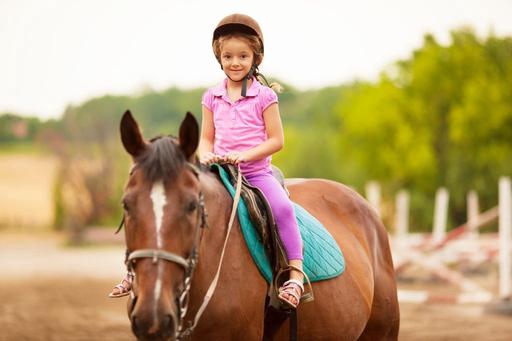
362	302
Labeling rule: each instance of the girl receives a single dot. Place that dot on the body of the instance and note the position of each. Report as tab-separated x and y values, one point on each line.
241	125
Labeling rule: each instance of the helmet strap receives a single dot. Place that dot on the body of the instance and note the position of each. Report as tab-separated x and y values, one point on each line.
247	77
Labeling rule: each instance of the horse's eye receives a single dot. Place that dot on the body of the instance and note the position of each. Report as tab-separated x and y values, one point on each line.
192	206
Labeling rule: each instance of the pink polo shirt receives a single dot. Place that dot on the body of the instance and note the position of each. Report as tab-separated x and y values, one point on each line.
240	126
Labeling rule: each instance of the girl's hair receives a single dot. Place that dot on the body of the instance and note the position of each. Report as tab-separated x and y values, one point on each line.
257	49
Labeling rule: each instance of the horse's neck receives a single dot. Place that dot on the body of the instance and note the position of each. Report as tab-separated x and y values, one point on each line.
218	204
238	274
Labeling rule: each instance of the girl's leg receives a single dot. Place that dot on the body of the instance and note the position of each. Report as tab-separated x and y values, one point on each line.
286	221
283	211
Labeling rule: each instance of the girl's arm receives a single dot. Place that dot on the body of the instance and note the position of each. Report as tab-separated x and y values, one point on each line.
274	142
205	149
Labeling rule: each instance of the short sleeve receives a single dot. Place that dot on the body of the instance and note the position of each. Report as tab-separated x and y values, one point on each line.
207	99
267	98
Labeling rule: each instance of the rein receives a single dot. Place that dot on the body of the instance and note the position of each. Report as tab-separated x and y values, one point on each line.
190	263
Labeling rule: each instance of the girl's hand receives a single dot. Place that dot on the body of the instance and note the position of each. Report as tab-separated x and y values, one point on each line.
210	158
235	157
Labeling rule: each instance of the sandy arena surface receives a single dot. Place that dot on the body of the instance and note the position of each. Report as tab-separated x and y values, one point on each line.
52	292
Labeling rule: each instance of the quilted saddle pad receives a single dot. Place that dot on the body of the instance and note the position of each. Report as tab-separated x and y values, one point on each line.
323	258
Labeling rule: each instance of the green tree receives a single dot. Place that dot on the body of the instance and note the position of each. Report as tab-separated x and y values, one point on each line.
440	118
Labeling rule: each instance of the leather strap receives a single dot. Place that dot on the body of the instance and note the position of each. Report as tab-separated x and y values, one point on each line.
158	254
120	225
215	281
293	325
246	78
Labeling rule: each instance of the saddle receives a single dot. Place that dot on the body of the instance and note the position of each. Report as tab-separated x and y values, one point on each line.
261	215
323	258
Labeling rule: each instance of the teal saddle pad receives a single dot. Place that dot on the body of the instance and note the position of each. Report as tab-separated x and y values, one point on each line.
323	258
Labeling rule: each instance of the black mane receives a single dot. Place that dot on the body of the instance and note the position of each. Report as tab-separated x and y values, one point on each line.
162	160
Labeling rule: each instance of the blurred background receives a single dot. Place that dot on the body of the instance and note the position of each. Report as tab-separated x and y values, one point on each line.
392	97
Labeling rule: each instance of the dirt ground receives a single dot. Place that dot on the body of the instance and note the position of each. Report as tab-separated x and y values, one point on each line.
52	292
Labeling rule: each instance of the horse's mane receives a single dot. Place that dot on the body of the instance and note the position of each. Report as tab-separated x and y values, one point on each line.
162	160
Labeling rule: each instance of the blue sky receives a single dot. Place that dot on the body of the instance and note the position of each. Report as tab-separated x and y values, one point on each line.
56	53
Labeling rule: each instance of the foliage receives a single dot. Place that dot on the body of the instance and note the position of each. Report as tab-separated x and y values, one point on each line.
18	129
441	118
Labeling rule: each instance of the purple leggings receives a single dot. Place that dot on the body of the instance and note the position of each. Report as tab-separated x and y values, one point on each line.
283	211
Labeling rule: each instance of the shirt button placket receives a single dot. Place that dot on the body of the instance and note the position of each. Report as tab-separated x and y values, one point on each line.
233	116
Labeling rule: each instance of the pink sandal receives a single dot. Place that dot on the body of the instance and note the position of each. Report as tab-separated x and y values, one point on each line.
293	288
123	288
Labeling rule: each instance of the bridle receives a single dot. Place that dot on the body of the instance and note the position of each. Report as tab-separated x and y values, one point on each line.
188	264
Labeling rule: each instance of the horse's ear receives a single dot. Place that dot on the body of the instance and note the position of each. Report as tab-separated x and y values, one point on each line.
189	136
131	135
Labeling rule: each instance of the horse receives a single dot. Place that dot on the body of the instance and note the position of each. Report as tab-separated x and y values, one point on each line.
176	216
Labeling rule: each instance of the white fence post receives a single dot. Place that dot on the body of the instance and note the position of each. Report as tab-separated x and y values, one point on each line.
402	214
505	227
372	190
440	215
473	212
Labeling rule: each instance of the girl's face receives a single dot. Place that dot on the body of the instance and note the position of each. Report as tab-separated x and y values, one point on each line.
237	58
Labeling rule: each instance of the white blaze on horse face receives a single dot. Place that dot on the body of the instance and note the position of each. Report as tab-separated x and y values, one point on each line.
159	201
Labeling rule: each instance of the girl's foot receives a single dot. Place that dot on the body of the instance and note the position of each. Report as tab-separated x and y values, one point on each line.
123	288
291	292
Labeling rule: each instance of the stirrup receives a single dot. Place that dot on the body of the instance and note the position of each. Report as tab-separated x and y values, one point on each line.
306	296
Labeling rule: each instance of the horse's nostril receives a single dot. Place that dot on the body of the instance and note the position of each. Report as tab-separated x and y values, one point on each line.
169	325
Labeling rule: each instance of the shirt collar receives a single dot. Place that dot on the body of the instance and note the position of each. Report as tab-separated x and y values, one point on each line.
221	90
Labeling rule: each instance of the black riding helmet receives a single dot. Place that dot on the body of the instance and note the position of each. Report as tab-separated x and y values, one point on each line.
243	24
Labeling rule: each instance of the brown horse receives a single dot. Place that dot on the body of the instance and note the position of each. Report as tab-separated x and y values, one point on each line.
176	215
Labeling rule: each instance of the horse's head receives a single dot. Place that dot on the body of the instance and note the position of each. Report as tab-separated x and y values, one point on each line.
163	213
